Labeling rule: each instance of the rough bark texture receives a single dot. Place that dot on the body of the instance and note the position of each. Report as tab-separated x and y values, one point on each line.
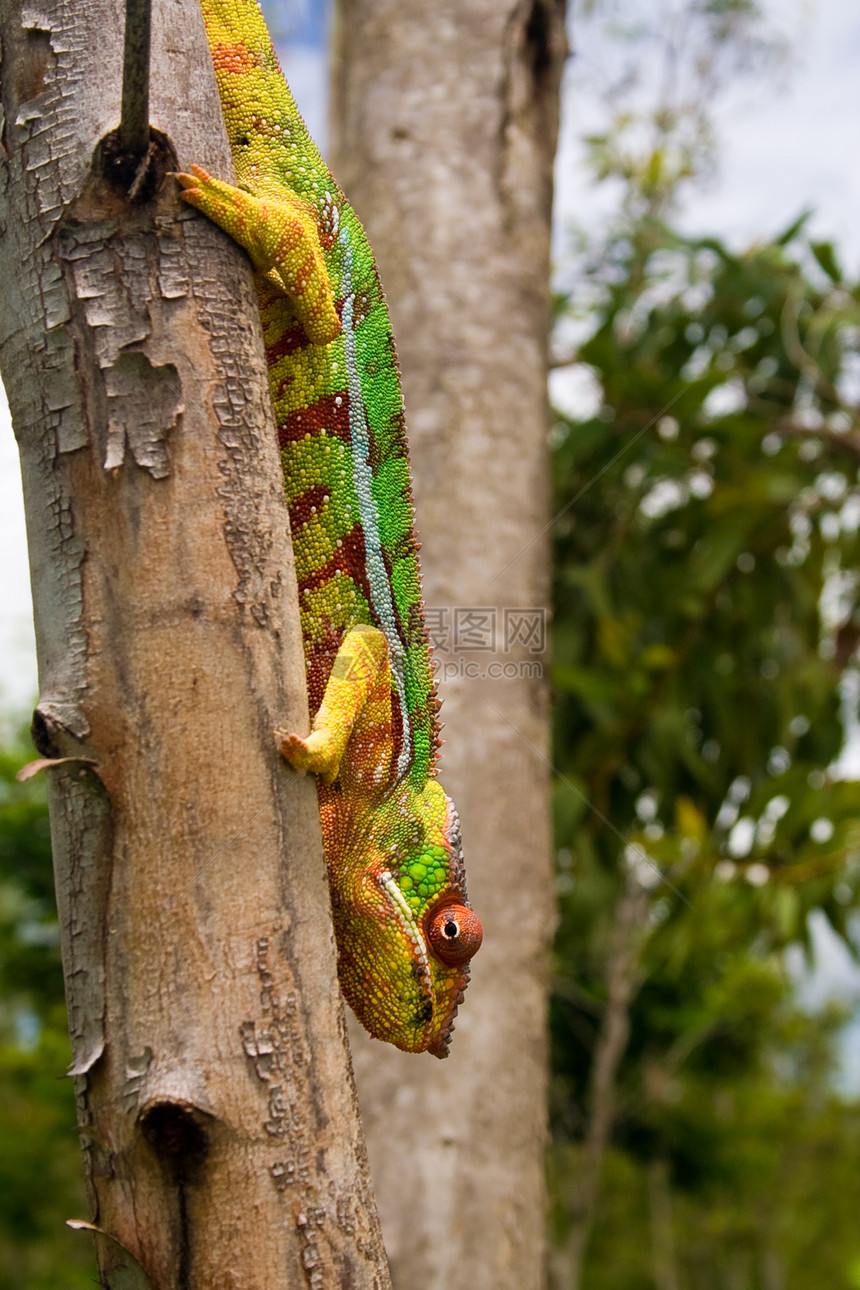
445	126
216	1102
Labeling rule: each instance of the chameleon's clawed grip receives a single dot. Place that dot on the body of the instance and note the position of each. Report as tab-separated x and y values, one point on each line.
281	236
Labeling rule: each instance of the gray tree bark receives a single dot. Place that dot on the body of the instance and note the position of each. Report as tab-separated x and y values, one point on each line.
445	117
216	1102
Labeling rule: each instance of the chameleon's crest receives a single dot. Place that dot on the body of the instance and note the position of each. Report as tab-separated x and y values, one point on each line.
404	928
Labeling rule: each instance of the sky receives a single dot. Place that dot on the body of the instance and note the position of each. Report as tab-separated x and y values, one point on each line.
789	139
796	148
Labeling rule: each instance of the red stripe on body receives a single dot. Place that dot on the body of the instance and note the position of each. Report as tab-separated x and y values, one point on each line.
311	502
348	558
330	413
293	338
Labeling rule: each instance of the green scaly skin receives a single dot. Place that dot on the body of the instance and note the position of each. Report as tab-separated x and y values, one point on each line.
405	930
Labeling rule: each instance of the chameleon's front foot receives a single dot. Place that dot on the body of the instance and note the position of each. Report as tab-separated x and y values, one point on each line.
282	239
315	754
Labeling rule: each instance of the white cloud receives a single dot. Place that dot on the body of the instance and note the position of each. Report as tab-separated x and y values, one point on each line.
788	142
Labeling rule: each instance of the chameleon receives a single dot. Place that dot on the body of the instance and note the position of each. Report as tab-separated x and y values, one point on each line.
404	928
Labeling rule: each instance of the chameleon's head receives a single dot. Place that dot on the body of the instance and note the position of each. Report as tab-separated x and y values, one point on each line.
405	930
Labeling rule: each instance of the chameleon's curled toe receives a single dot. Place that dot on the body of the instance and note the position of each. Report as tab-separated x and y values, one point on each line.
192	180
313	754
193	185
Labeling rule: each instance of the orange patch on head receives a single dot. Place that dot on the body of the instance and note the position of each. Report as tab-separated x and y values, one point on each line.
235	58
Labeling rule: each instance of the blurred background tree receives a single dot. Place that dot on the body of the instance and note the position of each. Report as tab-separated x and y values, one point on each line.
706	625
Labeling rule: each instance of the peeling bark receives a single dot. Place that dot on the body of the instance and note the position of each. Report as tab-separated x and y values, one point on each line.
445	126
215	1096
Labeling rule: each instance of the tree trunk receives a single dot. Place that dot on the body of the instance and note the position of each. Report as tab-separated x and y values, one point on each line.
445	120
622	976
664	1260
216	1104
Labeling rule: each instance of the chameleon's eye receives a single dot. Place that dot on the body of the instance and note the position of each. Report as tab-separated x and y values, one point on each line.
455	934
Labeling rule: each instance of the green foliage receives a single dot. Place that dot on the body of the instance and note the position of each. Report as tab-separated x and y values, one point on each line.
706	623
783	1212
40	1166
706	626
31	979
706	599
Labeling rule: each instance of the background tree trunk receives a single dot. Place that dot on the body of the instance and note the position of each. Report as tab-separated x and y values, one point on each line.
661	1210
445	120
216	1104
623	974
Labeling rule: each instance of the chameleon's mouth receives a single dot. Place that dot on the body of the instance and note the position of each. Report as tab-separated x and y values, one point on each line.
439	1047
420	957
